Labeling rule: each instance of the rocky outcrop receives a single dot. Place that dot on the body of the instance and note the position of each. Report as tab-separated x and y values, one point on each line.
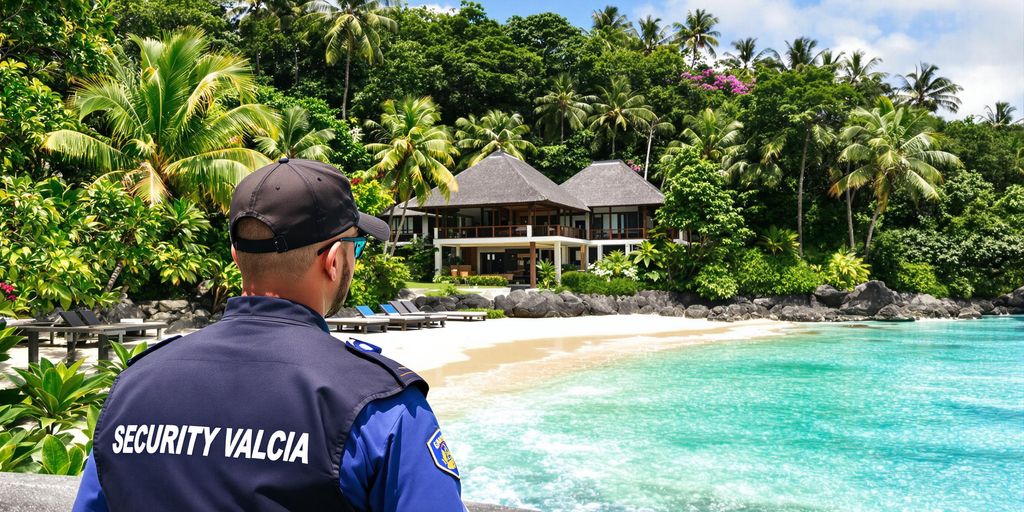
1013	302
828	296
867	299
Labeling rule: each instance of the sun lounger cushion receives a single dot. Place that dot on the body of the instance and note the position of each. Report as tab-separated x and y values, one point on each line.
389	309
71	318
365	311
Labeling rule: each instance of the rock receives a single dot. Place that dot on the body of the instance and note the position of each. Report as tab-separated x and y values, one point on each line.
829	296
501	302
571	305
406	294
969	313
671	311
531	306
182	324
697	311
1014	299
600	305
172	305
783	300
627	306
473	302
893	313
983	305
799	313
163	316
123	309
649	310
201	313
216	316
925	306
867	299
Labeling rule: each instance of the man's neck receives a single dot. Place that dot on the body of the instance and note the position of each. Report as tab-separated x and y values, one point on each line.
301	298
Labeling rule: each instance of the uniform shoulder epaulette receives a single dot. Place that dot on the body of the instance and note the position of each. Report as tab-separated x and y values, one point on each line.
371	352
153	348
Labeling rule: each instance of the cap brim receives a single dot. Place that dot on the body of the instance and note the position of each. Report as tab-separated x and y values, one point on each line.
374	227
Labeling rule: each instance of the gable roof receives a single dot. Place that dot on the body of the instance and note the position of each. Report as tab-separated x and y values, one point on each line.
612	183
503	179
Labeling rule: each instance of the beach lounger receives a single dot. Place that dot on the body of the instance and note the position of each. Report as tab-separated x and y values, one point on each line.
396	321
358	323
401	310
410	307
428	321
76	326
92	320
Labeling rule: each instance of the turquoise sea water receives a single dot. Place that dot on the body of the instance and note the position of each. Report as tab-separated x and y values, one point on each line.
917	416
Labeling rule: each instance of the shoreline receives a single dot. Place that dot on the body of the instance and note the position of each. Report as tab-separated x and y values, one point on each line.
474	361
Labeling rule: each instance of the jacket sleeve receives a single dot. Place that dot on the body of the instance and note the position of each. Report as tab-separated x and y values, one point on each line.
394	462
90	495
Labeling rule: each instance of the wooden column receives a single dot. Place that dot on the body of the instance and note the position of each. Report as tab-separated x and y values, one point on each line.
584	256
533	264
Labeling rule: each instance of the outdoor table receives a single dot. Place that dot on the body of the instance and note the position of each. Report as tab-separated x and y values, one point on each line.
103	345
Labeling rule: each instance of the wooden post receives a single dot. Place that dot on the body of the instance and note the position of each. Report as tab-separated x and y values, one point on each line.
533	264
584	256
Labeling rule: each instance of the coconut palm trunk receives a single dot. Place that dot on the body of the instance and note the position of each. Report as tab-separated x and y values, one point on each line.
871	230
800	193
650	139
398	231
348	70
849	219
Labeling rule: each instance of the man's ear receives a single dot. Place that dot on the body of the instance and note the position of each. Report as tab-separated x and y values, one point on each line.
334	260
234	255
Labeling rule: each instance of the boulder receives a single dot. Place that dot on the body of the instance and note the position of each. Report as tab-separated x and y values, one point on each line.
600	305
533	305
473	302
649	310
1014	299
783	300
924	305
697	311
570	305
501	302
799	313
172	305
183	324
893	313
867	299
627	306
828	296
406	294
123	309
969	313
163	316
671	311
983	305
201	313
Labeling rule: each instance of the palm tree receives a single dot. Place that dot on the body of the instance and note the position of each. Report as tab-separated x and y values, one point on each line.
800	53
651	34
894	148
167	126
828	58
656	125
747	55
756	162
698	33
857	69
563	104
609	18
495	131
350	28
619	108
714	136
1001	114
924	88
815	135
414	153
294	138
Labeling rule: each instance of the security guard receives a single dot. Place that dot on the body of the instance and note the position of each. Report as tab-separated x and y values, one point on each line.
265	410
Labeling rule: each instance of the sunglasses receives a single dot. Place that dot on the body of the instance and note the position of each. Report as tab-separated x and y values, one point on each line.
358	241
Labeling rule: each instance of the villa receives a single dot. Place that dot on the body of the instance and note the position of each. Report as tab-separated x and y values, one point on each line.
507	216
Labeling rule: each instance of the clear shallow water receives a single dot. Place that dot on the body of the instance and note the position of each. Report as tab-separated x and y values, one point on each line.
916	416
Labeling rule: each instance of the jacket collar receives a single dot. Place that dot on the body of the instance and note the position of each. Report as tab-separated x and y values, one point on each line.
252	305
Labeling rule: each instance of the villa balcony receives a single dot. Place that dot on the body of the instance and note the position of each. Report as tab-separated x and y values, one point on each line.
526	230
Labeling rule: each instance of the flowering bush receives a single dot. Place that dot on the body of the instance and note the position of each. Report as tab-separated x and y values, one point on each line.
708	80
614	264
637	168
7	291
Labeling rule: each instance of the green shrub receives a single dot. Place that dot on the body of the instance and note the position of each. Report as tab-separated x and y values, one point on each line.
491	313
583	282
419	257
621	286
486	280
846	270
715	282
378	278
546	274
446	290
920	278
758	274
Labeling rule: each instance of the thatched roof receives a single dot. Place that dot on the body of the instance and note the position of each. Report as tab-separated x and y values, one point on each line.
503	179
612	183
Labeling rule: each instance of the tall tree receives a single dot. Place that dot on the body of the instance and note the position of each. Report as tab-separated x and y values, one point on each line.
924	88
563	104
800	52
350	28
609	18
414	152
698	33
747	55
714	136
294	138
168	124
893	148
1000	114
857	68
656	125
495	131
619	108
651	34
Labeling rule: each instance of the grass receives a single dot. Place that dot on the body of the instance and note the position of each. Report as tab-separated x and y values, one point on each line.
437	286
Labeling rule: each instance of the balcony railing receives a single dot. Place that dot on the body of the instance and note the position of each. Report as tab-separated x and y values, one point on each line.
509	231
618	233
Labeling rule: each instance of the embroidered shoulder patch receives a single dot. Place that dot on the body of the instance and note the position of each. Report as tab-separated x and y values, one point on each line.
442	455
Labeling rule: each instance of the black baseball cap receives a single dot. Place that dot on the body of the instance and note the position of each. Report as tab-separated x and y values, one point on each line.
303	202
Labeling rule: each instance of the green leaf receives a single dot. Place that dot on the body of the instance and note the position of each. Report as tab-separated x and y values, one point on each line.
55	457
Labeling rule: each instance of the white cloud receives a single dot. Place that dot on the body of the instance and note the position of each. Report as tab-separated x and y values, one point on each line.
435	7
977	44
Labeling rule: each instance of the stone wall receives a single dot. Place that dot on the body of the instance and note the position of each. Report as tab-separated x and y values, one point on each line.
870	301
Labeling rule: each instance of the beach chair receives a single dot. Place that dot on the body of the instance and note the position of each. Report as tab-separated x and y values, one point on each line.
92	320
411	308
402	310
428	321
358	323
396	321
76	325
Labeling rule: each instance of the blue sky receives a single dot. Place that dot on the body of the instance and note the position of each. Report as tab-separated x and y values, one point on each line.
977	43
